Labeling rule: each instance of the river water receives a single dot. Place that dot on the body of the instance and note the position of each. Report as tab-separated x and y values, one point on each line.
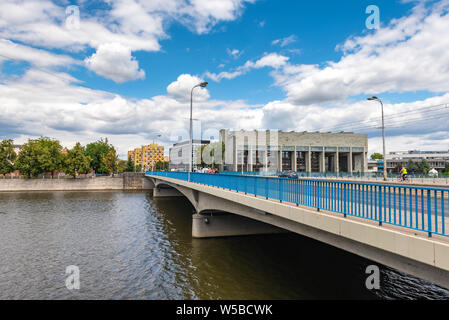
131	246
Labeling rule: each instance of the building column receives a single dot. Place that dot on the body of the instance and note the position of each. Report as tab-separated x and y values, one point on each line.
323	161
250	158
295	161
280	158
350	161
309	161
336	162
365	160
236	162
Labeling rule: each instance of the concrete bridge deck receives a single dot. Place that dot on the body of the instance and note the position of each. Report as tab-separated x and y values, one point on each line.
405	249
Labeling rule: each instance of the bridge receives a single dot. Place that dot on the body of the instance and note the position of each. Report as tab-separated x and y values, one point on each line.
401	226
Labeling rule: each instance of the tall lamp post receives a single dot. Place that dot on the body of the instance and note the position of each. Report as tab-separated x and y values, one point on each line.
202	85
374	98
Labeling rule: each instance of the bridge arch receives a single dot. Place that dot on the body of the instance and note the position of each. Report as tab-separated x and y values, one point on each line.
168	189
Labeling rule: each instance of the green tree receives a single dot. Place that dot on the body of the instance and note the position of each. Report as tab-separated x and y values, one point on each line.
39	156
122	166
209	154
7	156
110	161
130	165
50	157
76	162
412	166
161	165
377	156
423	166
97	152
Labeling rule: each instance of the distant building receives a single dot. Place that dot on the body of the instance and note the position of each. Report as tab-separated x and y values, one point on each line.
375	165
147	156
297	151
436	159
180	157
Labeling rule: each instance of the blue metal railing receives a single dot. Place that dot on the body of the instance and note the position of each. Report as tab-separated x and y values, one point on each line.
412	207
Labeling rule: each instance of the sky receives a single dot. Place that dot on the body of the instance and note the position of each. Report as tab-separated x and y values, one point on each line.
83	70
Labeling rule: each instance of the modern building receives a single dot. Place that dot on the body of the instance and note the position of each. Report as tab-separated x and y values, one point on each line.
375	165
179	154
147	156
436	159
297	151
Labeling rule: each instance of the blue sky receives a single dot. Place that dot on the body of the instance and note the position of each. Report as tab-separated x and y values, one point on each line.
125	67
318	27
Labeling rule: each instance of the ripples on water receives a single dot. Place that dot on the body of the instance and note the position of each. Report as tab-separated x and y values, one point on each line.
129	246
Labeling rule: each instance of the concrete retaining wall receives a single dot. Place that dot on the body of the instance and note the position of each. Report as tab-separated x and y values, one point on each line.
126	182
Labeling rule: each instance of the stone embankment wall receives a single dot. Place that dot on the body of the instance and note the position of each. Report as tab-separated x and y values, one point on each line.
128	181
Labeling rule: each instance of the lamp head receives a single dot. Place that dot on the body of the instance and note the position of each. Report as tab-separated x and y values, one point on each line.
204	84
373	98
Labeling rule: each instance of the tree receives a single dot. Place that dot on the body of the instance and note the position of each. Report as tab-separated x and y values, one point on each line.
423	166
110	161
76	162
39	156
209	157
161	165
97	151
50	157
411	166
7	156
122	166
130	165
446	168
377	156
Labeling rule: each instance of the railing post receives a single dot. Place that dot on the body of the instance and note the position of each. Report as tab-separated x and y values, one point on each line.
429	217
280	189
266	188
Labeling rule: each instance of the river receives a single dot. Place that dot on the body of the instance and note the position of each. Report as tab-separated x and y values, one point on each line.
131	246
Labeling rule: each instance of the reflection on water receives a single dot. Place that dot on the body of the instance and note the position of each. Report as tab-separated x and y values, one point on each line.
129	246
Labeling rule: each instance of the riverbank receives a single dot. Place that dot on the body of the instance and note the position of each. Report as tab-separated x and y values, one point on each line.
128	181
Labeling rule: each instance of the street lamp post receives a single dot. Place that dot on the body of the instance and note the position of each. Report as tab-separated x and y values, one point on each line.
202	85
374	98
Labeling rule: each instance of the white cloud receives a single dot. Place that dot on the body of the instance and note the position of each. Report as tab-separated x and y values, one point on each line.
114	61
234	53
283	42
135	24
272	60
10	50
181	88
408	55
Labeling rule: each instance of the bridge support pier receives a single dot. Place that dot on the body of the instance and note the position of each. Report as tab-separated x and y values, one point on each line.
227	225
160	192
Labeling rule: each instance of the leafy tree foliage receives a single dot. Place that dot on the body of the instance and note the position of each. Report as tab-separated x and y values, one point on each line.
130	165
377	156
76	161
411	166
7	156
110	161
97	151
446	168
40	156
122	166
161	165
